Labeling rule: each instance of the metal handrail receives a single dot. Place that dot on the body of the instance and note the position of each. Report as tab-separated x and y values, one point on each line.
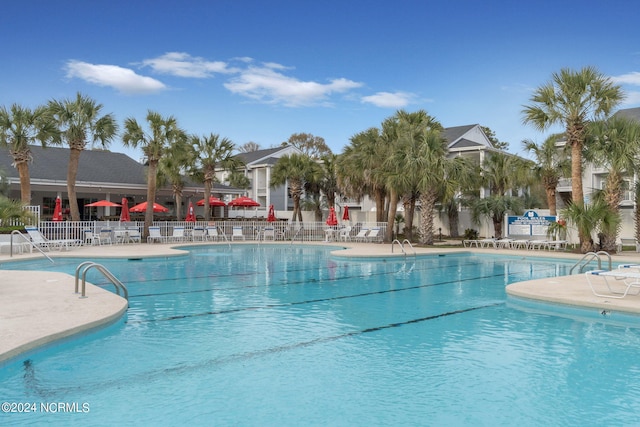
298	232
26	239
106	273
393	244
591	256
410	245
222	233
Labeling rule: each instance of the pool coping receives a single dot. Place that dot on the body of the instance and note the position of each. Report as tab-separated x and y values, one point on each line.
38	308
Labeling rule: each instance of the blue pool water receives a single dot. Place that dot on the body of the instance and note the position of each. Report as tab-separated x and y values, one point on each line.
287	335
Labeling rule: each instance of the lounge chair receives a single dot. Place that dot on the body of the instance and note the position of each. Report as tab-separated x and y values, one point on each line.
90	238
362	235
503	243
237	233
155	235
626	280
374	235
198	235
212	233
134	235
178	235
487	242
269	233
38	239
105	236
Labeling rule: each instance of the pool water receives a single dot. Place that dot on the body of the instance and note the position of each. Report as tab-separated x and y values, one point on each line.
290	335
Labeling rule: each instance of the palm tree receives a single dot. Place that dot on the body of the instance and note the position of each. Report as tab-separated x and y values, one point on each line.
172	168
295	170
78	120
573	98
212	152
551	165
163	133
358	169
20	127
614	144
590	217
329	182
13	210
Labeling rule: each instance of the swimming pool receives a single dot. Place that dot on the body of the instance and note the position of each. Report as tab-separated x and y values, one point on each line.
289	335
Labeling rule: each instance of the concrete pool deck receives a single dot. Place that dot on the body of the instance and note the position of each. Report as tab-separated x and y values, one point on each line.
37	308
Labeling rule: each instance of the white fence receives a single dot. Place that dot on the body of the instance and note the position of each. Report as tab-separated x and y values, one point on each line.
251	230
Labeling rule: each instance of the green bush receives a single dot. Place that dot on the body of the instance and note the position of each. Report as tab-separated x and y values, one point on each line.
471	234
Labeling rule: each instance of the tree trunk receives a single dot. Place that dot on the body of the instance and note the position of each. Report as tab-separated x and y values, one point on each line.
151	195
453	216
207	195
427	203
409	215
391	217
25	182
497	226
72	172
379	198
576	182
551	201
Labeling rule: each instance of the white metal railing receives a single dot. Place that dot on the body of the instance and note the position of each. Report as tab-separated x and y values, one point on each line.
251	229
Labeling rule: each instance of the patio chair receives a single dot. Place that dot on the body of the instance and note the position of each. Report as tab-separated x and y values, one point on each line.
269	232
362	235
134	235
212	233
178	235
626	280
237	233
155	235
91	238
198	235
345	233
105	236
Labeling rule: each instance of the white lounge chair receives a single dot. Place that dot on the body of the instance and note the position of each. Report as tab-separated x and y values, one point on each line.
362	235
212	233
625	281
374	235
237	233
345	233
91	238
178	235
155	235
134	235
105	236
269	233
38	239
198	235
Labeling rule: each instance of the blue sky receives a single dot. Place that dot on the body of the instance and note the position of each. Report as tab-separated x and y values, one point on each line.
262	70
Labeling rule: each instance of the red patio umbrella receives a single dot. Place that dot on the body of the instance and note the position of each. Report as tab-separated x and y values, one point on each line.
103	203
213	201
332	220
345	214
272	215
57	212
142	207
190	215
124	213
244	201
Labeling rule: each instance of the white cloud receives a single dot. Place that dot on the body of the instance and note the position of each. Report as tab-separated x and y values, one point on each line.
267	84
632	78
389	100
184	65
122	79
631	98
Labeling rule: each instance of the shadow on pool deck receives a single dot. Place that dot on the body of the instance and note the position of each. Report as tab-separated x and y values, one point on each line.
37	308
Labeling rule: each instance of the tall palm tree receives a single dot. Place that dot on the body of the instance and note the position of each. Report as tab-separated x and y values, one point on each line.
163	133
21	127
588	218
211	153
172	170
329	181
78	120
614	144
295	170
573	99
551	165
358	169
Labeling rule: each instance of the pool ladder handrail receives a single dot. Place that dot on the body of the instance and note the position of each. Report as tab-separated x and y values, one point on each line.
106	273
298	232
223	234
591	256
402	246
26	239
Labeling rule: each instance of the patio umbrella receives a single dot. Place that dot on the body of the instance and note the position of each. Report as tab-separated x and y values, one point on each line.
142	207
332	220
345	214
244	202
213	201
57	212
124	213
104	203
190	215
272	215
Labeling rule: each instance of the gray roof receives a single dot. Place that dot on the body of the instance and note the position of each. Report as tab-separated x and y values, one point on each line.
253	156
632	113
95	166
453	133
